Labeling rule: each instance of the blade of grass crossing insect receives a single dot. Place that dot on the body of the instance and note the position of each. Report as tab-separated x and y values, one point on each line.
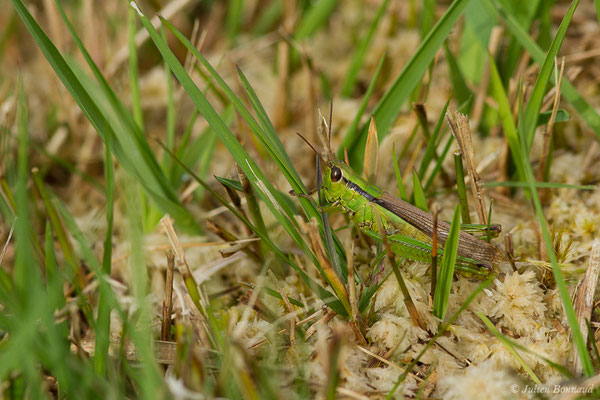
597	4
342	273
442	293
361	51
353	131
389	106
534	104
509	347
583	108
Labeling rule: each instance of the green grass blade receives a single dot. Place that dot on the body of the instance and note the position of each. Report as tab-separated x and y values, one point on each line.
399	182
389	106
353	132
25	269
508	124
430	151
509	347
532	110
134	78
583	108
442	293
418	194
104	307
550	185
139	163
460	90
361	51
316	16
261	184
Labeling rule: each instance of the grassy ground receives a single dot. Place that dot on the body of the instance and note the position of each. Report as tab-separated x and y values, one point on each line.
151	248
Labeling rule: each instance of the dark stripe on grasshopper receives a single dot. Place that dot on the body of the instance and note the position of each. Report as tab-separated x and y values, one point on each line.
359	190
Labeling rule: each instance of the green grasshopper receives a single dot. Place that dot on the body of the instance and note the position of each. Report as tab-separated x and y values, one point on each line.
408	229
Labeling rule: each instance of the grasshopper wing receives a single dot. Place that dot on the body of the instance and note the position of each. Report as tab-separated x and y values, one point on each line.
468	245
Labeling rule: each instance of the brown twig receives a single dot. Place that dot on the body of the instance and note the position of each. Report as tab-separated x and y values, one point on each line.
462	133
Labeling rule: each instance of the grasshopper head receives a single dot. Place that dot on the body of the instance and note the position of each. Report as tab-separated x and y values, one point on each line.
336	174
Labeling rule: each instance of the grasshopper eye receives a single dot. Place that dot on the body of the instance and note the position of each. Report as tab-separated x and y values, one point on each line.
336	174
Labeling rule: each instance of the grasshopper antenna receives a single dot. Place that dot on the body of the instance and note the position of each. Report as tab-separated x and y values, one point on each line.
330	119
309	145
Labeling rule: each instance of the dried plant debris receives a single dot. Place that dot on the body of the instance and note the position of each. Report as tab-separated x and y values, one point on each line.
191	273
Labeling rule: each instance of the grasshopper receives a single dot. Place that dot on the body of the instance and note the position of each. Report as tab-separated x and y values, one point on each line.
408	229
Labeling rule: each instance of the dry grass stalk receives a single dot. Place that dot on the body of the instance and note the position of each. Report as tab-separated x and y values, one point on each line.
165	329
312	230
408	302
462	133
584	300
549	128
284	297
231	239
280	114
323	320
510	249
